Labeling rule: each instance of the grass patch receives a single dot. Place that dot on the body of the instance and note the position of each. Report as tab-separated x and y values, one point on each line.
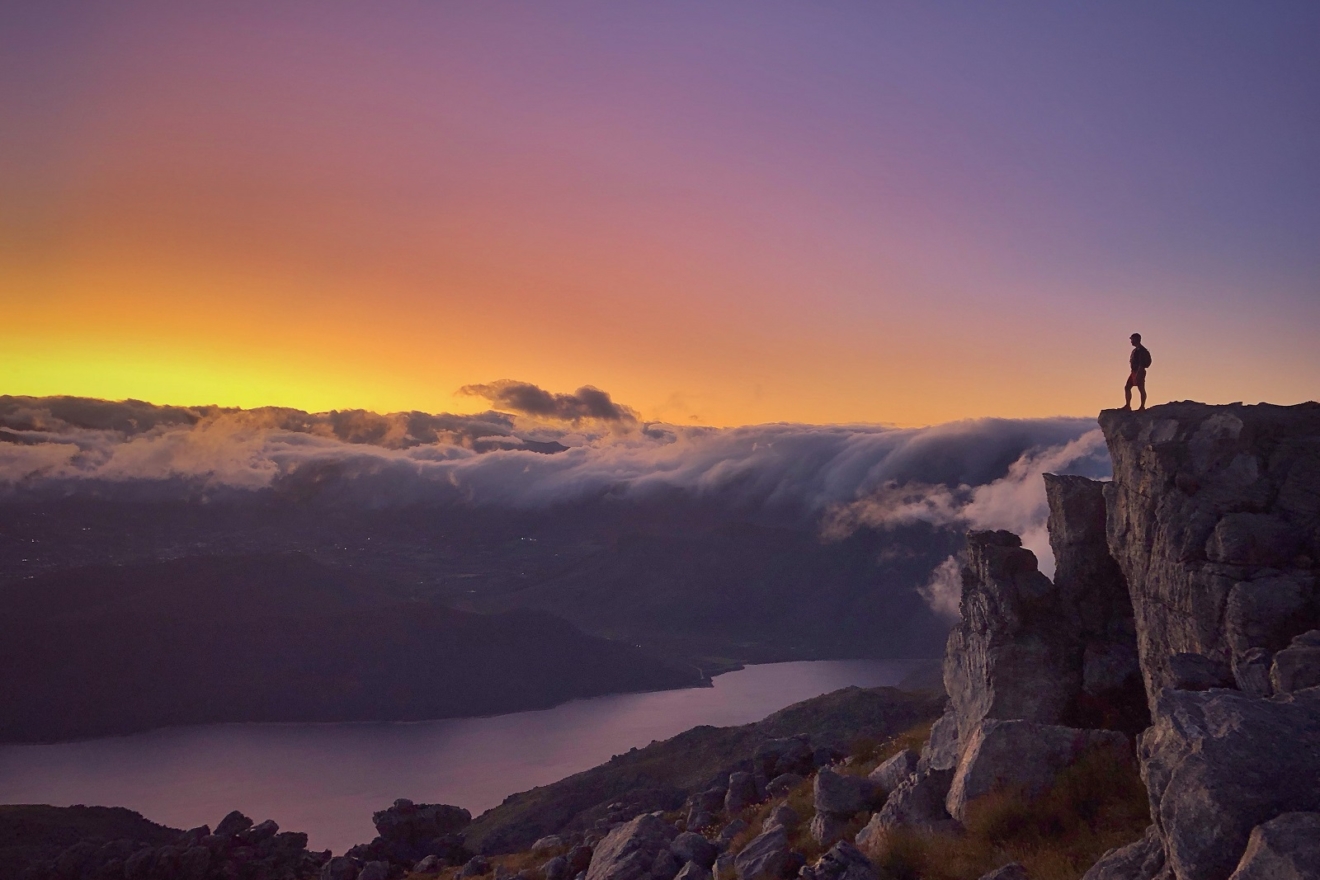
1095	805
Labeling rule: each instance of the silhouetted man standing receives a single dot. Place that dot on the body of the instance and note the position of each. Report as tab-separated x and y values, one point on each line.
1139	361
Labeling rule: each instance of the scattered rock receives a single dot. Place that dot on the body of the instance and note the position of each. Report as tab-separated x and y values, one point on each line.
579	859
666	865
918	802
547	843
764	858
475	867
826	828
742	793
232	824
843	862
428	865
732	830
779	756
782	816
783	784
556	869
375	871
841	795
1141	860
691	847
1251	672
1285	848
1298	665
693	871
629	851
895	770
340	868
941	750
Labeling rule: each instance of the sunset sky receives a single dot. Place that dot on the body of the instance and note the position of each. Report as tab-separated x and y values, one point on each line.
723	213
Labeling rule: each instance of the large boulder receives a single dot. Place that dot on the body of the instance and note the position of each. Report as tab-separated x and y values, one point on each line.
692	847
742	793
788	755
1218	763
1021	755
765	857
940	751
843	862
693	871
629	851
415	823
918	802
841	795
1285	848
895	770
1297	666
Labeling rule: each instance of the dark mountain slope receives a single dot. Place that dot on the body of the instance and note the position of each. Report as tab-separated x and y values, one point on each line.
114	649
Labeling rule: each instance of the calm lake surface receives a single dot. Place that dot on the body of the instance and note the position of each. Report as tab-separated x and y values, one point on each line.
327	779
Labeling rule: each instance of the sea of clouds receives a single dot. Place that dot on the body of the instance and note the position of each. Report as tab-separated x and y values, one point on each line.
541	449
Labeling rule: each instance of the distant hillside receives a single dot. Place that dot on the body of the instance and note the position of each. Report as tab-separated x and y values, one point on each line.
33	832
110	649
663	774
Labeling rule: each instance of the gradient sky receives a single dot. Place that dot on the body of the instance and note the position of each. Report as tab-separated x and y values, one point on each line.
723	212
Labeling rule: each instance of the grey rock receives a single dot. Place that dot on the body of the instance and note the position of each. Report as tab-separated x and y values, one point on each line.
940	751
918	802
378	870
1141	860
839	794
711	800
1020	754
1011	871
1218	763
555	869
693	871
732	830
409	823
825	756
783	784
262	831
547	843
339	868
629	851
895	770
1266	613
779	756
765	857
1297	666
843	862
1196	672
429	865
666	865
705	820
579	859
826	828
1253	539
1109	666
723	865
1285	848
1251	672
742	793
782	816
232	824
475	867
691	847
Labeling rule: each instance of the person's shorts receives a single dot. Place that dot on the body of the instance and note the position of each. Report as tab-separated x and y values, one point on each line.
1137	379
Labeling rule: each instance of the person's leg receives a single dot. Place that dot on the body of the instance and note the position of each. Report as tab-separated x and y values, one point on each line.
1127	394
1141	386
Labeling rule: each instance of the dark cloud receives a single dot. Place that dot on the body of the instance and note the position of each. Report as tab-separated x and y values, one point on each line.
524	397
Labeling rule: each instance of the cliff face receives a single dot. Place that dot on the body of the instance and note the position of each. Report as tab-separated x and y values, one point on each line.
1214	519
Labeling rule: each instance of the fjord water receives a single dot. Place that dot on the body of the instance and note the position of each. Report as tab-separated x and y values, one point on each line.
327	779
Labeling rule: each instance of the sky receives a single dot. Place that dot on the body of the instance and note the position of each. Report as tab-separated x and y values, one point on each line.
721	214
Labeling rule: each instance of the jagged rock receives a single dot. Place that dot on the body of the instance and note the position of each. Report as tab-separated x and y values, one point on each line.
1297	666
825	756
841	795
941	750
826	828
895	770
1020	754
1218	763
723	865
742	793
1196	672
764	858
1140	860
783	784
705	820
579	859
843	862
407	822
547	843
556	869
232	824
340	868
690	847
375	871
666	865
1015	652
693	871
1185	553
629	851
918	802
431	865
732	830
1285	848
475	867
779	756
782	816
1251	672
1011	871
263	831
710	801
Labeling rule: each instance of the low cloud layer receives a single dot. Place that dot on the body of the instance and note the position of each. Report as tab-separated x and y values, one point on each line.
974	474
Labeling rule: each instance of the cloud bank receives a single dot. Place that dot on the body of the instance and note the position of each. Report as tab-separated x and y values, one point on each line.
972	474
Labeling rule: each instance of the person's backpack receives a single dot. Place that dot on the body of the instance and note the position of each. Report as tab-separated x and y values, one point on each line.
1145	358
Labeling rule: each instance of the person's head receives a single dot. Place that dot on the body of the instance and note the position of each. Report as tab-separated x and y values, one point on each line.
1136	338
